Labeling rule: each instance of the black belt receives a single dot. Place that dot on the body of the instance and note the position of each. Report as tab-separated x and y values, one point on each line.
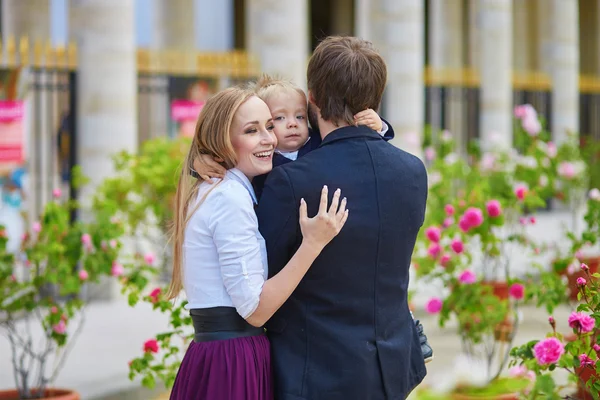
220	323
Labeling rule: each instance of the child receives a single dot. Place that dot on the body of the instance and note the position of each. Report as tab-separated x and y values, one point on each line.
291	113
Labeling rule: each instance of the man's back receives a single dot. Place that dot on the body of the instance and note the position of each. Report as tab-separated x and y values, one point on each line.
346	332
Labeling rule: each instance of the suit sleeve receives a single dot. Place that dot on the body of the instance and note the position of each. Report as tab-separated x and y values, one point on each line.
278	219
389	134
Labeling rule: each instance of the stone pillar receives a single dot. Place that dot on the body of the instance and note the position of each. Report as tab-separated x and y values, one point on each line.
523	38
26	18
277	33
397	29
545	35
174	25
214	25
446	49
362	19
474	26
565	69
495	71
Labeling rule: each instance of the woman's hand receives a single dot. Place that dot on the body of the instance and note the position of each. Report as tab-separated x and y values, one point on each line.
323	227
207	167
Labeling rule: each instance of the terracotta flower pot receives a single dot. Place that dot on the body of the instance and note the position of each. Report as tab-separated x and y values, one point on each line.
585	375
51	394
508	396
499	289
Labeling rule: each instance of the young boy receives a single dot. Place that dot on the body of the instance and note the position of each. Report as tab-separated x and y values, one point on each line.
291	114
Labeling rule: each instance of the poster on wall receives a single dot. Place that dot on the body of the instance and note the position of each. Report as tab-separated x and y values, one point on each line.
187	96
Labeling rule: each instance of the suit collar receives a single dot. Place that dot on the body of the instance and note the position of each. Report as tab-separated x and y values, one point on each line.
350	132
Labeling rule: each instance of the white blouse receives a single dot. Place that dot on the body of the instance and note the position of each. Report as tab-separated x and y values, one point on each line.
224	254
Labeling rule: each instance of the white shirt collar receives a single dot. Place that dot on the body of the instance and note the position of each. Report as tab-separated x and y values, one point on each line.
291	155
239	176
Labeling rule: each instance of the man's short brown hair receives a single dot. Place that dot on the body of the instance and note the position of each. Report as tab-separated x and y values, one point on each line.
345	76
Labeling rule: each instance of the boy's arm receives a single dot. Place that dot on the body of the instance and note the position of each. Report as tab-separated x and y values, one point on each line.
278	219
387	132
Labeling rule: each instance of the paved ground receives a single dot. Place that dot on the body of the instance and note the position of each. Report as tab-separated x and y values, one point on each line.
114	333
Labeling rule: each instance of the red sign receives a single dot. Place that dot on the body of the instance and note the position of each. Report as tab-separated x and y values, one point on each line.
11	132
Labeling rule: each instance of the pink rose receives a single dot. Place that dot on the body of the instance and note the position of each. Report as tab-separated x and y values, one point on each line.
53	310
433	233
474	217
430	153
585	360
548	351
581	281
521	192
83	275
584	267
113	244
551	321
457	246
86	239
448	222
516	291
57	193
581	322
494	209
525	111
520	371
467	277
594	194
155	294
434	250
531	125
434	305
116	269
37	227
488	161
449	208
60	328
149	258
463	224
596	348
445	259
523	221
551	150
532	220
566	170
151	346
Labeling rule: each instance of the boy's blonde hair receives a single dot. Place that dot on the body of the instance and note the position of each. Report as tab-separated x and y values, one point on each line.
268	85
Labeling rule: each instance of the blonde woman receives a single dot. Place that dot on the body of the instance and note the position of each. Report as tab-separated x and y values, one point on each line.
220	257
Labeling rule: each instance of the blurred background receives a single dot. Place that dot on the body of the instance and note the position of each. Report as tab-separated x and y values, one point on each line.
81	80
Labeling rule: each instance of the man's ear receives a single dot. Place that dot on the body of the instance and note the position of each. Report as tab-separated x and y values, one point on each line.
311	98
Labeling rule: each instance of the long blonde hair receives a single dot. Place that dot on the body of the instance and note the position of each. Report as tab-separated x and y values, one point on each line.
212	137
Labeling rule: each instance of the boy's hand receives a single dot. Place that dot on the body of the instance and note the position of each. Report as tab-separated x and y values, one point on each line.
369	118
208	168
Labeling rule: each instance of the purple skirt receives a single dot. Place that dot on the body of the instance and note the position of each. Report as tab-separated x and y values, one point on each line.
233	369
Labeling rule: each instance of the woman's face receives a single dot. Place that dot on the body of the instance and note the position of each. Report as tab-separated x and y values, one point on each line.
253	138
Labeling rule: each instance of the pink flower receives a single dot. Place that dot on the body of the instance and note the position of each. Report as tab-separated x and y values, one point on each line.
83	275
149	258
434	305
494	209
596	348
434	250
430	153
457	246
445	259
566	170
60	328
551	150
53	310
155	294
516	291
523	221
520	371
548	351
585	360
474	217
433	233
151	346
449	208
594	194
86	239
521	192
117	269
581	281
463	224
57	193
488	161
37	227
525	111
531	125
584	267
113	244
448	222
532	220
467	277
551	321
581	322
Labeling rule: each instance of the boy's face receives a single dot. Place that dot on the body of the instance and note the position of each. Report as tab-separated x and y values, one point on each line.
288	109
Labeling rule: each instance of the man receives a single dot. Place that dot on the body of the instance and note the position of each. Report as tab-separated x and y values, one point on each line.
346	332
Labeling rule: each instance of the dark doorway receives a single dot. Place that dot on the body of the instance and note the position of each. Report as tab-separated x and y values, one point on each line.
330	17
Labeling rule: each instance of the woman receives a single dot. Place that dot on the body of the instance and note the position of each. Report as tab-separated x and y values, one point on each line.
220	257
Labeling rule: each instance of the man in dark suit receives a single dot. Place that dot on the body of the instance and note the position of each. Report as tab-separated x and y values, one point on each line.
346	332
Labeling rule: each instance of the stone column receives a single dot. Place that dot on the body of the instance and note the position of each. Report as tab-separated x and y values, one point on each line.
397	28
174	26
495	71
545	34
277	33
446	49
565	69
26	18
214	25
474	27
523	39
362	19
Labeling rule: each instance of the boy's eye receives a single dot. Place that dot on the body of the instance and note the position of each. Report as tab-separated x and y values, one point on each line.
300	117
278	118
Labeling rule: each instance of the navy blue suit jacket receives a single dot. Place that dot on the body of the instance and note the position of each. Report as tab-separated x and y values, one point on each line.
346	332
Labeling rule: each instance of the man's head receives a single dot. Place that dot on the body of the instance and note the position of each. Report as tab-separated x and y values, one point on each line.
345	76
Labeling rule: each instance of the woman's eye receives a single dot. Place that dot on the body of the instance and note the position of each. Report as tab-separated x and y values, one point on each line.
251	131
270	127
